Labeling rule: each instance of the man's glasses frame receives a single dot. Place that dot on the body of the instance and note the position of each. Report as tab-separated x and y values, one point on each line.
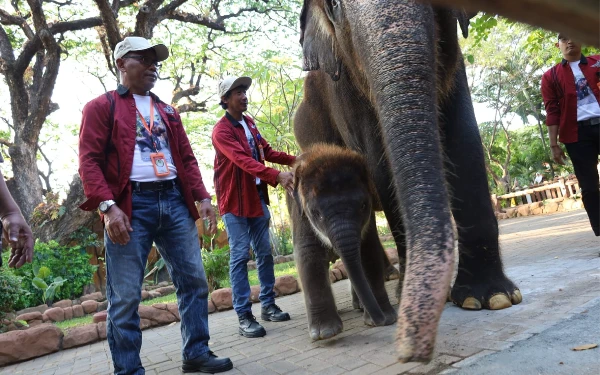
146	60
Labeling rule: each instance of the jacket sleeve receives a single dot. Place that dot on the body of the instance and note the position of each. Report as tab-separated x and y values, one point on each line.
226	143
190	164
94	135
276	156
551	99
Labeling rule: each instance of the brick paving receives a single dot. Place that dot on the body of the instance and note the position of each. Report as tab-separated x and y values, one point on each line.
553	258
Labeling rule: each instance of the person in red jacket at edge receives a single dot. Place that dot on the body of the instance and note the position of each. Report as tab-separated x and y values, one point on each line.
241	179
138	169
571	92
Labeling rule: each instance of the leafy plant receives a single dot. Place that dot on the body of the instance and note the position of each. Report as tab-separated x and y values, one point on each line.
48	291
11	291
216	266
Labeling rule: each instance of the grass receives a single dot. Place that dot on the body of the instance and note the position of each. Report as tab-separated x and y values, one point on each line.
281	269
388	244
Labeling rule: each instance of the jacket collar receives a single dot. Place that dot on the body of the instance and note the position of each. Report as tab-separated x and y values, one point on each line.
123	91
583	60
235	122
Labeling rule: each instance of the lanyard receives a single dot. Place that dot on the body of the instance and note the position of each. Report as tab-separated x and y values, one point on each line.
149	127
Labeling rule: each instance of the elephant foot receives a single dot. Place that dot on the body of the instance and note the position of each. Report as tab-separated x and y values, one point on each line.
388	312
495	293
325	328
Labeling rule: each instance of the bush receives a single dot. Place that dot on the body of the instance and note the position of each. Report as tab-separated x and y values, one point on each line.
11	291
71	263
216	266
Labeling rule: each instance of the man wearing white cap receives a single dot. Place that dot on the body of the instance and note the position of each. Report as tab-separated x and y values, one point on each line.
241	179
139	171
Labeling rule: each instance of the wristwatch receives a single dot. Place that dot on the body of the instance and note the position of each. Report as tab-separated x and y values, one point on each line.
104	206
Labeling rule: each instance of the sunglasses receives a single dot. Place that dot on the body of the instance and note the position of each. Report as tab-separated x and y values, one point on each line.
145	60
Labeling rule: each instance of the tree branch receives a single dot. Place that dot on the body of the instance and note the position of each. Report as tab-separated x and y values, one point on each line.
178	15
109	21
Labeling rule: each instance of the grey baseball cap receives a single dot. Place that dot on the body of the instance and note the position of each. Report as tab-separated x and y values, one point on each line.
230	83
136	43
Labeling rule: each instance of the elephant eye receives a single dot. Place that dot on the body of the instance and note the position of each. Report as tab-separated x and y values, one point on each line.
333	10
317	214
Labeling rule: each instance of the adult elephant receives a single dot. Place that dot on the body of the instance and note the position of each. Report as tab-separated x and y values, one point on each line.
387	79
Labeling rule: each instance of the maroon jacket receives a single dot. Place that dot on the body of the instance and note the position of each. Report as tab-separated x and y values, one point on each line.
560	95
106	157
236	170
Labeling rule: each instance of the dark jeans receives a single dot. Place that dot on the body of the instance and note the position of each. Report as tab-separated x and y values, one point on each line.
584	155
163	218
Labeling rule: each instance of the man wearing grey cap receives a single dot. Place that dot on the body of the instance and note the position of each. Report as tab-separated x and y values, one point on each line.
241	179
139	171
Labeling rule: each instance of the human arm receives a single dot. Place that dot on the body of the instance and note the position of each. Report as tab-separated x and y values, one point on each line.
558	155
551	102
15	229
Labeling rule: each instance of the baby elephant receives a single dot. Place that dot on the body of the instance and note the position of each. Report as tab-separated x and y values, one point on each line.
332	210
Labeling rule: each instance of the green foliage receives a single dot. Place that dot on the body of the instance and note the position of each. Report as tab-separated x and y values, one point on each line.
216	266
69	263
11	291
281	239
48	291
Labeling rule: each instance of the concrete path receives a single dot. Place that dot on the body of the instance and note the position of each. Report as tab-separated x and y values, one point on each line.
554	259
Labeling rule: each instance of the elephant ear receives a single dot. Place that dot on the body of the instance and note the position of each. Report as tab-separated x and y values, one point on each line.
317	46
298	166
463	18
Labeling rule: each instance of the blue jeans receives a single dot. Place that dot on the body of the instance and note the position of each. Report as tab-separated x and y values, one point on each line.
163	218
243	232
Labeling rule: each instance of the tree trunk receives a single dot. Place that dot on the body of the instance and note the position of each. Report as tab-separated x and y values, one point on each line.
26	187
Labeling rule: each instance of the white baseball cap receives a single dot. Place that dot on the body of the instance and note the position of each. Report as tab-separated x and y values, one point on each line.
136	43
230	83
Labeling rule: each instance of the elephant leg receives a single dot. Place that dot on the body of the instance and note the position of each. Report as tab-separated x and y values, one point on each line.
480	282
356	305
313	268
373	262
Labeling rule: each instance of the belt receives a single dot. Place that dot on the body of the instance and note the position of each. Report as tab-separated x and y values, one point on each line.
589	122
154	185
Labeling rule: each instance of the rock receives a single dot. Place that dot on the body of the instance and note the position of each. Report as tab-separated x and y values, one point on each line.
174	309
537	211
211	307
254	293
502	215
157	316
102	330
102	306
577	205
35	323
68	312
551	207
392	255
511	212
79	336
568	204
55	314
340	266
89	306
285	285
63	303
160	306
332	278
34	342
222	299
145	323
251	265
100	316
523	211
11	315
154	294
97	296
163	284
536	205
10	327
166	290
40	308
35	315
145	295
77	311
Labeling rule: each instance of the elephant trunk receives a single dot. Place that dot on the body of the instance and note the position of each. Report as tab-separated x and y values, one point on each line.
347	243
399	65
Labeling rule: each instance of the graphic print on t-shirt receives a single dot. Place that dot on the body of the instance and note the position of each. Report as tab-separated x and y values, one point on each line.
587	105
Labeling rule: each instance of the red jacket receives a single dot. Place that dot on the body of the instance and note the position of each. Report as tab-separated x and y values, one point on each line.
106	157
236	170
560	95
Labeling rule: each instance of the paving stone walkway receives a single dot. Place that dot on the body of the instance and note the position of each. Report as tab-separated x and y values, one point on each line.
554	259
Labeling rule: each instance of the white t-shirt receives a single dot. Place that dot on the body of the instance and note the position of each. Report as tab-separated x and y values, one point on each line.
142	169
251	143
587	105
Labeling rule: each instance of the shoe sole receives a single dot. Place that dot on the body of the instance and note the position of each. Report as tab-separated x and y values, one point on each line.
208	370
252	335
269	319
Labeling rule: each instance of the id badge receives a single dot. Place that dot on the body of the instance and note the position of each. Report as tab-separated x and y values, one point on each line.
161	168
261	152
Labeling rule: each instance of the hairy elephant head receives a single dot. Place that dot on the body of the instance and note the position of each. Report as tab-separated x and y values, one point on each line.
399	55
334	191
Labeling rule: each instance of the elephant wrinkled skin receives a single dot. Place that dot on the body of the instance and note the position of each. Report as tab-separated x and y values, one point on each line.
387	79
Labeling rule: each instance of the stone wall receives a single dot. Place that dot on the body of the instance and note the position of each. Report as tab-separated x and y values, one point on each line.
540	208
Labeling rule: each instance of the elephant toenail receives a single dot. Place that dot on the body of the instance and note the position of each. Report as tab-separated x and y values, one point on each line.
516	297
499	301
471	303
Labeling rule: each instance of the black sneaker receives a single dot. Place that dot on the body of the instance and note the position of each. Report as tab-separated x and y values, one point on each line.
273	313
249	327
208	363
